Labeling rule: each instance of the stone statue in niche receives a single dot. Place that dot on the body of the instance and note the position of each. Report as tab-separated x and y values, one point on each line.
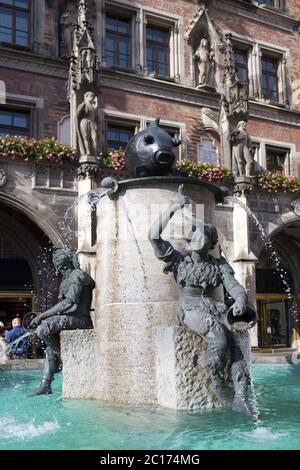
87	125
67	21
87	59
72	312
197	274
205	58
242	151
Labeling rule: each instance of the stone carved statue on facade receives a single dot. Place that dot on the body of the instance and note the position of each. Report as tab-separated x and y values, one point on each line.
87	59
72	312
242	151
197	274
67	21
206	64
87	125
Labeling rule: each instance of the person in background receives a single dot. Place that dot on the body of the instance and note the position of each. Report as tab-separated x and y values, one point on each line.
3	344
20	349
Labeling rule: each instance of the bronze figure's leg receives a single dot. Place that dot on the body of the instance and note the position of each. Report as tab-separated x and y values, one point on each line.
49	331
240	374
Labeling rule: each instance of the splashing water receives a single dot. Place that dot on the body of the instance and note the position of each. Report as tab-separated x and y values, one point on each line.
262	434
270	250
10	428
275	258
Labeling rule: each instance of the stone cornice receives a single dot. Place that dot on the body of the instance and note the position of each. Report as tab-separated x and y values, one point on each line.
158	89
33	63
275	114
192	96
145	86
266	16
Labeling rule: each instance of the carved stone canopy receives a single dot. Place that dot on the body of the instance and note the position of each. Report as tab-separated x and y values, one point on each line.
210	119
199	23
235	98
84	61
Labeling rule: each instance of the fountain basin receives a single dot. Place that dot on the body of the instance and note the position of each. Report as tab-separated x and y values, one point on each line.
47	422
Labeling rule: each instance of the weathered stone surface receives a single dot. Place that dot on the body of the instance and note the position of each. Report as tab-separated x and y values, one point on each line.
133	294
79	364
183	383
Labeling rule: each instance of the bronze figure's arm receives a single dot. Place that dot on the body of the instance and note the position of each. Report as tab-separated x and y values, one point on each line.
234	289
66	306
161	223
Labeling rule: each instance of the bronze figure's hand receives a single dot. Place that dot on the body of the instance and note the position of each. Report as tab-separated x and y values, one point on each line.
182	200
35	323
239	307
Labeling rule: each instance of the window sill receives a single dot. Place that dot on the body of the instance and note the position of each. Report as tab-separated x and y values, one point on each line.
269	7
121	69
161	77
271	103
262	5
15	47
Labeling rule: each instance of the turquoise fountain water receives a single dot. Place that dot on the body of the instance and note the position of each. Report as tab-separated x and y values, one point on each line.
48	422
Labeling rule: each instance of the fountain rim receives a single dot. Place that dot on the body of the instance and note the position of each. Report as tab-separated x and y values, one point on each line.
219	192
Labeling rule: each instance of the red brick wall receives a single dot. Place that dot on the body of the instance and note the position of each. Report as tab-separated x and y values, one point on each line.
52	90
151	107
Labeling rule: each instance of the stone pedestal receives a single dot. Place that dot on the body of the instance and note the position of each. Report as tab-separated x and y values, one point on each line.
86	250
137	353
183	383
244	261
133	296
80	368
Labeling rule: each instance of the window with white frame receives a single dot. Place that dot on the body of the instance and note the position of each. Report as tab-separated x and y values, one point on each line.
19	116
14	122
277	159
241	56
269	78
141	39
118	40
264	68
279	4
273	76
121	39
119	131
273	156
161	46
158	51
246	62
120	127
15	22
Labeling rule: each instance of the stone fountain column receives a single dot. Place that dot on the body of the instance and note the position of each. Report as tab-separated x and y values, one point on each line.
244	260
142	355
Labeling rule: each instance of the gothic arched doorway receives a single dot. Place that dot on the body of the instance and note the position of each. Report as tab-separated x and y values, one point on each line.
27	280
278	290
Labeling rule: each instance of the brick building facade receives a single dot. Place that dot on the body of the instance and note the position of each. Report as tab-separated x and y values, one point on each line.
147	67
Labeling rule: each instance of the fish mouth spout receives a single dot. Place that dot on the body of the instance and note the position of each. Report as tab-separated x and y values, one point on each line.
164	157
